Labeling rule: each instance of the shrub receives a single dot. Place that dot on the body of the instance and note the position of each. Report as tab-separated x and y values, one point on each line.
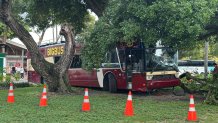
21	85
8	78
5	85
17	76
1	77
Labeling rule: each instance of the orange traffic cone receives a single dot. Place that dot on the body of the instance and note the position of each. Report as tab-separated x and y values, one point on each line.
11	94
86	104
129	107
43	100
192	114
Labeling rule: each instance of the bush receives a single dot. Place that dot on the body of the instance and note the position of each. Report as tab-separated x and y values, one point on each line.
8	78
1	77
17	76
6	85
21	85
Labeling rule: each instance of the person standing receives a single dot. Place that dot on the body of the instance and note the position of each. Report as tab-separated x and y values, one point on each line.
13	70
22	72
215	72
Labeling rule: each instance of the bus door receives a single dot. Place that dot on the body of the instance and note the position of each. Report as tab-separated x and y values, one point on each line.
128	68
134	65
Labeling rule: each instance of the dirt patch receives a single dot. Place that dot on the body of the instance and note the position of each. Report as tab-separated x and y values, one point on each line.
158	95
170	95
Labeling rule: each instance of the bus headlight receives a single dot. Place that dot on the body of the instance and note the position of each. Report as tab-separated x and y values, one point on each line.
149	77
177	74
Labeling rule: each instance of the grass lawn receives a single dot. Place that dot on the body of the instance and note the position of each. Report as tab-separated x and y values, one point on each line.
105	108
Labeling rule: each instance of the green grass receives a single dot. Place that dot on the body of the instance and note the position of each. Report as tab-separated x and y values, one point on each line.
105	108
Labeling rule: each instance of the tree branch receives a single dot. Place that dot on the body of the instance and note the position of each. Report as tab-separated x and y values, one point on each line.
66	31
211	27
206	35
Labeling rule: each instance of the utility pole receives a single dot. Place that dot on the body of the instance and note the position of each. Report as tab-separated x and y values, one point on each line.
22	58
53	35
56	40
206	59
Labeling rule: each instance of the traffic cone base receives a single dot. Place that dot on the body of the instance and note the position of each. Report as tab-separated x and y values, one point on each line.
10	99
11	94
86	107
129	106
192	116
86	104
129	109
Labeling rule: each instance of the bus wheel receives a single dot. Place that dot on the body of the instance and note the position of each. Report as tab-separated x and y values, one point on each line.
112	83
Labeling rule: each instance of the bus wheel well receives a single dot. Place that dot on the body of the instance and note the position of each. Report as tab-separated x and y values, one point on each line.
112	83
106	83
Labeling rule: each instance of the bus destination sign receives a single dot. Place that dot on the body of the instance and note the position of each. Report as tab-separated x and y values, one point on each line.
55	51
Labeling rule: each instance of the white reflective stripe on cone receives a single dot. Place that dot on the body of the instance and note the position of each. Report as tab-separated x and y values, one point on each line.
44	96
191	101
191	109
86	93
129	97
44	90
10	94
86	100
11	88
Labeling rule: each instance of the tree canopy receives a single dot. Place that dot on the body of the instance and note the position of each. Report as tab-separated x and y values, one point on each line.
46	13
175	23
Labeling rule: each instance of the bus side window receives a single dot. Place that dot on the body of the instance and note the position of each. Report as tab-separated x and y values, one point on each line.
76	63
56	59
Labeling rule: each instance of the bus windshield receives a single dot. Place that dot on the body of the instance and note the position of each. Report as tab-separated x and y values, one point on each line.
159	59
149	59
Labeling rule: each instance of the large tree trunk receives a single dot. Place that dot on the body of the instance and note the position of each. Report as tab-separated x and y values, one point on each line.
57	83
52	73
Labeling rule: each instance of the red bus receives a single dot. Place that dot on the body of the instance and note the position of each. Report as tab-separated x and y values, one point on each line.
125	67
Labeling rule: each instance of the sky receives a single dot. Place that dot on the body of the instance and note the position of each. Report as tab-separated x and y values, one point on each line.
48	37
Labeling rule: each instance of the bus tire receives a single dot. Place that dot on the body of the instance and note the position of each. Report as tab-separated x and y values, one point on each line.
112	83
